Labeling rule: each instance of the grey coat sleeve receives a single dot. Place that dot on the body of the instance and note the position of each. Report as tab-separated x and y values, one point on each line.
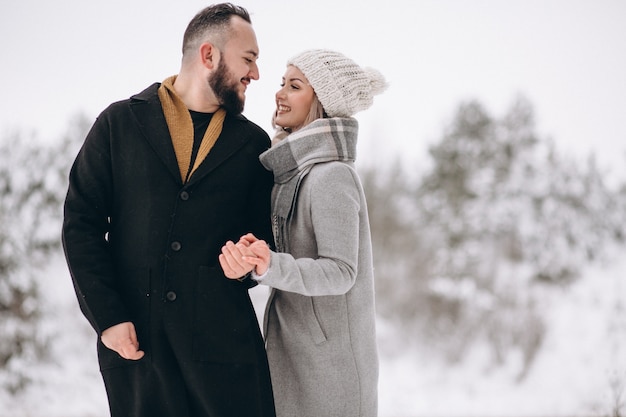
324	236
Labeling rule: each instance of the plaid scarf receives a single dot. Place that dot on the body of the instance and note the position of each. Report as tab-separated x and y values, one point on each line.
290	160
180	125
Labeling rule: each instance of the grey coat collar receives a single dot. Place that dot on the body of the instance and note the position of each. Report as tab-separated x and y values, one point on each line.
323	140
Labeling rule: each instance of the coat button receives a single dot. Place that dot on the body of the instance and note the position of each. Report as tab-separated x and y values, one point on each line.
184	195
171	296
175	246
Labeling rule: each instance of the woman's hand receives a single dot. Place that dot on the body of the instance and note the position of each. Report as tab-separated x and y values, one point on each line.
232	262
260	256
244	256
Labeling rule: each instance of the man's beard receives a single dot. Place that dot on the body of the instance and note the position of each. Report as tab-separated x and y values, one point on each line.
225	90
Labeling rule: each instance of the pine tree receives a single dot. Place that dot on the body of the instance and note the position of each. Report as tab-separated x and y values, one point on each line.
500	214
32	187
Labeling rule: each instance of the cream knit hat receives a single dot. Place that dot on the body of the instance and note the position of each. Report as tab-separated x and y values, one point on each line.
343	87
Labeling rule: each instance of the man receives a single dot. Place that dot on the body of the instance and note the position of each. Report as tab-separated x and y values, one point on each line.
162	180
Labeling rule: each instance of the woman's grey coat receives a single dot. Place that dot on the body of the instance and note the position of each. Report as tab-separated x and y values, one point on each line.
320	318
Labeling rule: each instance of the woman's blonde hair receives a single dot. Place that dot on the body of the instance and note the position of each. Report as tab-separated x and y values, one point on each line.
315	112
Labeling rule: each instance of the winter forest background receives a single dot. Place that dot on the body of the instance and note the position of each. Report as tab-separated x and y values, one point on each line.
499	272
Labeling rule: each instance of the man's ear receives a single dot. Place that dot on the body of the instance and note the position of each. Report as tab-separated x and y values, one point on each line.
209	55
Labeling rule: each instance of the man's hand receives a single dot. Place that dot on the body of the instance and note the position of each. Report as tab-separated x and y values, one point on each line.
122	338
231	260
244	256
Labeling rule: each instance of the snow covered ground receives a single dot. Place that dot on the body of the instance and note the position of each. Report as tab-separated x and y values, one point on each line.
580	371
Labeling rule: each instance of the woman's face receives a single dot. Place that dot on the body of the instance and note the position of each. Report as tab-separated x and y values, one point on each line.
293	100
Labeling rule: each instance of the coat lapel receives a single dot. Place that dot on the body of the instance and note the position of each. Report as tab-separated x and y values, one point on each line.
230	141
148	113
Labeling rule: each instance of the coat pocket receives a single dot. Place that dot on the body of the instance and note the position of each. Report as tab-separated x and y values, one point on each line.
315	328
223	315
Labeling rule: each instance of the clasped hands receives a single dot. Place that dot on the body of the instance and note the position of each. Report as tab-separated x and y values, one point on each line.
250	253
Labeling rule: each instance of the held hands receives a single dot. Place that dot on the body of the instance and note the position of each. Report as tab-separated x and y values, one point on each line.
244	256
122	339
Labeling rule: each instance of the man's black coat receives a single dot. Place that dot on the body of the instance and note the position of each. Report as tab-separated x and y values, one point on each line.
143	247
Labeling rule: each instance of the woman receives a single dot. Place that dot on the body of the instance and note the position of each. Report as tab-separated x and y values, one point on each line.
320	319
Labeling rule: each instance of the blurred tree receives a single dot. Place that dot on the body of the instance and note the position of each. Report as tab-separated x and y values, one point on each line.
32	188
498	214
394	239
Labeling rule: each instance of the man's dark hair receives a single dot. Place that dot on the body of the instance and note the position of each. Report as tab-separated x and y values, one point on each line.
212	21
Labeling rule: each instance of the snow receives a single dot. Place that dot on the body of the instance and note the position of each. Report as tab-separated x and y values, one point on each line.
582	356
580	370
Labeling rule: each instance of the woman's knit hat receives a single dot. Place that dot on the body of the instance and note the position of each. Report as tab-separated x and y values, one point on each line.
343	87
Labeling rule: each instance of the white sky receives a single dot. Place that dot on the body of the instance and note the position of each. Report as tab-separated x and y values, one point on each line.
568	57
